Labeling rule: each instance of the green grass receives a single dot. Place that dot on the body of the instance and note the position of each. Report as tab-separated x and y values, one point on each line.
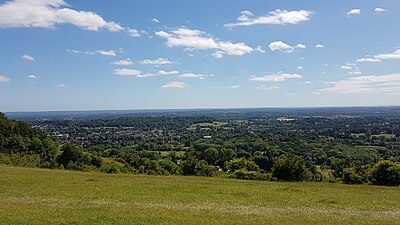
38	196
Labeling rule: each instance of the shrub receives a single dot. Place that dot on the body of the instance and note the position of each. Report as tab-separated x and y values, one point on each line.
386	173
290	168
354	175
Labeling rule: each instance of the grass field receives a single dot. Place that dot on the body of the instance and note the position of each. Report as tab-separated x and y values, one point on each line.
38	196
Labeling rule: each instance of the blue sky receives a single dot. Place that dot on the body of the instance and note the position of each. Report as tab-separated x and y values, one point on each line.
85	55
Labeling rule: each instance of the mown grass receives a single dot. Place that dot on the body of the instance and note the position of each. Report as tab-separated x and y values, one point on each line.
38	196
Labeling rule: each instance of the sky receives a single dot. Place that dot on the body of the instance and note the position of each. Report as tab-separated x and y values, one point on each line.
170	54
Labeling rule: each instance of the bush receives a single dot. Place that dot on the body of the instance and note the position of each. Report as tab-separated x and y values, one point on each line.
203	169
290	168
241	164
354	175
386	173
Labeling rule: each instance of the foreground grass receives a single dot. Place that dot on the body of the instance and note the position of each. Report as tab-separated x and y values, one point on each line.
36	196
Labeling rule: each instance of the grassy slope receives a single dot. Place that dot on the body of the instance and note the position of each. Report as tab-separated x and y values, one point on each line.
36	196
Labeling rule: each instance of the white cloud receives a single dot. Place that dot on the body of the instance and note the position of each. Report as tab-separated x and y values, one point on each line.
32	76
4	79
367	84
127	72
368	60
123	62
347	67
259	49
380	57
106	52
308	82
267	88
320	46
300	46
155	20
133	32
351	69
199	40
394	55
28	58
299	68
277	77
379	10
99	52
282	46
193	75
48	14
61	85
354	12
139	74
157	62
277	17
174	84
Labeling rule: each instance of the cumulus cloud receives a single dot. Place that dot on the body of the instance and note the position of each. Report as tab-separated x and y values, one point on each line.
28	58
106	52
139	74
4	79
277	77
381	56
300	46
368	60
155	20
299	67
379	10
123	62
49	13
367	84
351	69
199	40
282	46
33	77
319	46
127	72
259	49
193	75
277	17
99	52
133	32
267	88
174	84
354	12
157	62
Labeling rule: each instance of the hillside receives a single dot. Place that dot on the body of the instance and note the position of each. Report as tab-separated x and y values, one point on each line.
40	196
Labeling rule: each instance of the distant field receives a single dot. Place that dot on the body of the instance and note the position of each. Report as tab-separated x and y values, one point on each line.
206	126
37	196
386	136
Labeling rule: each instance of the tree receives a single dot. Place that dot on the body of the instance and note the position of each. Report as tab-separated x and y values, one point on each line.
70	153
241	164
290	168
386	173
203	169
188	166
211	155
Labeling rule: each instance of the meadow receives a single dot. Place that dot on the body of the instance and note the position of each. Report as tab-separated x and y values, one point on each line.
40	196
